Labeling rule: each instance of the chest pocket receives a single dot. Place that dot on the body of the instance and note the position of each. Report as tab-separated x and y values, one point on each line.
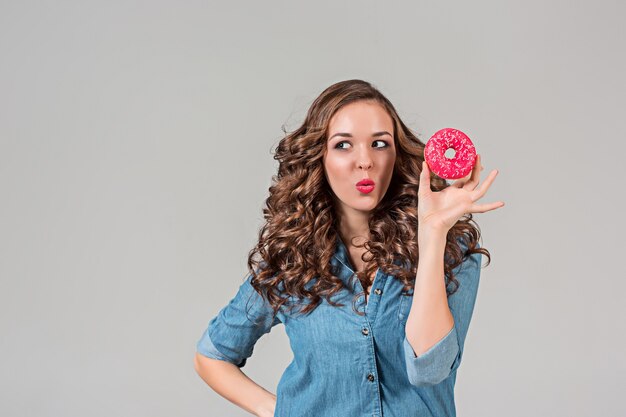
404	305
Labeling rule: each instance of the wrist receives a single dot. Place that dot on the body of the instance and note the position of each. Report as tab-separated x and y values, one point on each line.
267	407
427	229
430	235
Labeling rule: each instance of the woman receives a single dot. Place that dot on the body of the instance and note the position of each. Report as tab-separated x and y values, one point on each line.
375	287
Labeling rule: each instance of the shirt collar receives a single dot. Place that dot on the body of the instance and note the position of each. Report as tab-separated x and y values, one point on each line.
341	254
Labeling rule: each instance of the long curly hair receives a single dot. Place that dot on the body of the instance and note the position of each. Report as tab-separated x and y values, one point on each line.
291	261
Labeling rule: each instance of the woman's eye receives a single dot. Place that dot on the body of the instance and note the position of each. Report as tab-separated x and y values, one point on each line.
382	141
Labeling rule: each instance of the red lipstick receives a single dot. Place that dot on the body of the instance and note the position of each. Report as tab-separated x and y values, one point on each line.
366	185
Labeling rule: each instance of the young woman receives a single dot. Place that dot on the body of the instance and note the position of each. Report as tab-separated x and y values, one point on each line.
375	285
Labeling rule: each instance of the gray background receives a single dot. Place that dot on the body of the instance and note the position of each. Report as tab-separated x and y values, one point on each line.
135	157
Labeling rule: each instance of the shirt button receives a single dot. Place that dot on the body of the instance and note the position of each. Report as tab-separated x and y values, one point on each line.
378	291
365	331
370	377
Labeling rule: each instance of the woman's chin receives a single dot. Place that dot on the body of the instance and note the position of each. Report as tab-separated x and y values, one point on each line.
365	206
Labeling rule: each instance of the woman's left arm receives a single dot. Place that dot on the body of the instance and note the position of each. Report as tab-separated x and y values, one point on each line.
430	328
430	318
441	354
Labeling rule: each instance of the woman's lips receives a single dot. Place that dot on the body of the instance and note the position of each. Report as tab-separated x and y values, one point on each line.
365	188
365	185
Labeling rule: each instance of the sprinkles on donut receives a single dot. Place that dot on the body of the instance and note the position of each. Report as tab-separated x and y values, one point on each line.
460	164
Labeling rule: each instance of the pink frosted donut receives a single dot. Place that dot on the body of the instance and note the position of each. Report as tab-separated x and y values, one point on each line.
450	168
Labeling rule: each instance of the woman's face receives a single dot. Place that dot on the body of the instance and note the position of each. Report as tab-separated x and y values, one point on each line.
360	146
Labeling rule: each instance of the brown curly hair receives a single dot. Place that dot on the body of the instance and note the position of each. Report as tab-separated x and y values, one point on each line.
300	234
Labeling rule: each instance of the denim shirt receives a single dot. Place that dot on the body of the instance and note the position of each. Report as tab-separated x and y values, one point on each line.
346	365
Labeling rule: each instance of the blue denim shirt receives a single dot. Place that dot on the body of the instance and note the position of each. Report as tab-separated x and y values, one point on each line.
346	365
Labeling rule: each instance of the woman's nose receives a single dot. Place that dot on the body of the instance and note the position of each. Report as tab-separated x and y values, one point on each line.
365	165
365	159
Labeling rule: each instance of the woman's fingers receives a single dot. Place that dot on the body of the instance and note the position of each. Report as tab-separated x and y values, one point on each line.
471	183
482	189
471	180
474	179
482	208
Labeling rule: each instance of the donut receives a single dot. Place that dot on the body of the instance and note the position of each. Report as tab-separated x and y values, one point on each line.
450	168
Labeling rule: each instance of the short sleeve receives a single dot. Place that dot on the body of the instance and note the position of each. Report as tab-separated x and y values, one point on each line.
231	335
443	358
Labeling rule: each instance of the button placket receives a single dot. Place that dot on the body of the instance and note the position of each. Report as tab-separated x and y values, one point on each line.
371	306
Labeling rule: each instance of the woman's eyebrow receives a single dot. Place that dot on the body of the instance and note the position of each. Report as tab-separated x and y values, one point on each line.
348	135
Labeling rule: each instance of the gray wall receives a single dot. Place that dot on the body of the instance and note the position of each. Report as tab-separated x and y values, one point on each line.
135	143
